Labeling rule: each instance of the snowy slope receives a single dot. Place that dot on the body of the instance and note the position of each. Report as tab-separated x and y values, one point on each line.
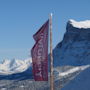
81	82
14	66
72	70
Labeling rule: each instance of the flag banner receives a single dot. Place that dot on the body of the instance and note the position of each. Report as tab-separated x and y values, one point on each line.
39	53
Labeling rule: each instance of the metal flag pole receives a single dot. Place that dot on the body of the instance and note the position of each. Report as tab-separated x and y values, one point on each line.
51	56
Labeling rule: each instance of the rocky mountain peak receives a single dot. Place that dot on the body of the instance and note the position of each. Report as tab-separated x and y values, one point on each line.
74	49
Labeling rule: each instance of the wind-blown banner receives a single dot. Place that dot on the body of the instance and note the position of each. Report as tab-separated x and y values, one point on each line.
40	54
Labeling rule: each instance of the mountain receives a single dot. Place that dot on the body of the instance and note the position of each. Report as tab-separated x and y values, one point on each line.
14	66
74	52
74	49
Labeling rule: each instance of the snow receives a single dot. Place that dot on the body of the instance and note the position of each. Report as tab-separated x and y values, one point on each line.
72	70
81	24
14	66
4	89
81	82
22	86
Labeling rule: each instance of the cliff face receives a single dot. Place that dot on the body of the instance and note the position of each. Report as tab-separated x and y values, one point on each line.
74	49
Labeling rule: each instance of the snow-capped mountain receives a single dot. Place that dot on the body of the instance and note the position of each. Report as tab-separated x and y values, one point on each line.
14	66
74	49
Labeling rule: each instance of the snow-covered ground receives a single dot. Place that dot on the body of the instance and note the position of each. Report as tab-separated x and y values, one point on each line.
72	70
81	82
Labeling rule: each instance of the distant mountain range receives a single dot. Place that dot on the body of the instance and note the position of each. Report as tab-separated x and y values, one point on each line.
16	69
14	66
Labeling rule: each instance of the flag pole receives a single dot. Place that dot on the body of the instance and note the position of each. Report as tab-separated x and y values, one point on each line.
51	56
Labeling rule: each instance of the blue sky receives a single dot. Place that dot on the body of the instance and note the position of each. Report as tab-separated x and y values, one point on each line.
20	19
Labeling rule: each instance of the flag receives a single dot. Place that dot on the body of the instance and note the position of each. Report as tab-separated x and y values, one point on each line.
39	53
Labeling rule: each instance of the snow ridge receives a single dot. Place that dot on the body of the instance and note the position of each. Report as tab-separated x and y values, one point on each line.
80	24
75	69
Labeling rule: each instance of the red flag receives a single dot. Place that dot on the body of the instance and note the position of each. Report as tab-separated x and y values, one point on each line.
40	54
